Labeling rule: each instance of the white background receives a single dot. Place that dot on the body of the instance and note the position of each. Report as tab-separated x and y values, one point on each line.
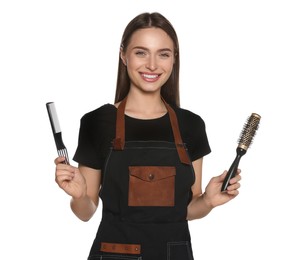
235	60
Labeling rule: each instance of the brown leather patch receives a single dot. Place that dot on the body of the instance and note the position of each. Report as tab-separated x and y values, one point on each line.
151	186
121	248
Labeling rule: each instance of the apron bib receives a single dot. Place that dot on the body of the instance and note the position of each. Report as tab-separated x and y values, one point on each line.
145	191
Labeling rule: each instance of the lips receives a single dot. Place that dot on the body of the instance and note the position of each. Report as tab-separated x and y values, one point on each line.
150	77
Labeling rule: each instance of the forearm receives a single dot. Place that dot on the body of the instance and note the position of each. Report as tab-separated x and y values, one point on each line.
198	208
84	208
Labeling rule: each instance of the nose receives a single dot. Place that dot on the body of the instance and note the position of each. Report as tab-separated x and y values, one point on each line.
151	63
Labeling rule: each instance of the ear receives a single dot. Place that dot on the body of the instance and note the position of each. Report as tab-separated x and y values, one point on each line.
174	58
122	56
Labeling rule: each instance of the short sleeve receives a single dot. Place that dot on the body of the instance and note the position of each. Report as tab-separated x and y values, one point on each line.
95	136
193	131
87	152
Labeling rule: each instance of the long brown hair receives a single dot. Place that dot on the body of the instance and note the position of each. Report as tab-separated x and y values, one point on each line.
170	90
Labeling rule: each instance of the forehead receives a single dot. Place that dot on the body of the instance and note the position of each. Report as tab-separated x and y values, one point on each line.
151	38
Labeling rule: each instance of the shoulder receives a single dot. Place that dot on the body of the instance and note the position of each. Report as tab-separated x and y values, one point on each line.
100	118
104	111
185	116
193	131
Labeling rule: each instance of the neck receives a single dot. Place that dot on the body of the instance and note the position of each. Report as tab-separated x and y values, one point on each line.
145	106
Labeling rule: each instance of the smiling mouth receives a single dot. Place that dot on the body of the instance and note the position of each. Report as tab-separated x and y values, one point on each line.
150	77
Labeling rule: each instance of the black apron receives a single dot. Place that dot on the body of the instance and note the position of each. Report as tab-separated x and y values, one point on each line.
145	191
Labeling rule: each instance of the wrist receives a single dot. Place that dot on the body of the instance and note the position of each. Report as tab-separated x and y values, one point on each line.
207	201
79	197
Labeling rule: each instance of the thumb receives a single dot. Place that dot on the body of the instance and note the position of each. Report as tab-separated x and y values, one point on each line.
223	175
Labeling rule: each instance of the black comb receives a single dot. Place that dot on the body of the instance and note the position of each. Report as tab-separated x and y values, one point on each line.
55	126
244	142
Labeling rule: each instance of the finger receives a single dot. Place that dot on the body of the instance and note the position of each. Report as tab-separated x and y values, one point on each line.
235	179
63	176
64	171
222	176
61	172
233	187
233	192
59	160
238	171
65	167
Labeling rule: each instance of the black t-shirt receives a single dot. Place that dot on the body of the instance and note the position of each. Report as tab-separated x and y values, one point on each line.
97	130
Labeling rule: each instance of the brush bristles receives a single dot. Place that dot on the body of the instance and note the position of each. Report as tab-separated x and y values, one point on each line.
249	131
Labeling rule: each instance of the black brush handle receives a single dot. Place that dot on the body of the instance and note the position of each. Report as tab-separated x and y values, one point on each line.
233	169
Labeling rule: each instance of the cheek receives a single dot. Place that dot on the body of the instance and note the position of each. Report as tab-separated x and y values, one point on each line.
167	63
133	63
168	67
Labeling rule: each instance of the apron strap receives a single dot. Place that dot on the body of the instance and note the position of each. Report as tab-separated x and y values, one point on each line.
119	141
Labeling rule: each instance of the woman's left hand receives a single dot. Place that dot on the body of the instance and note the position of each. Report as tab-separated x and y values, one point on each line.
213	194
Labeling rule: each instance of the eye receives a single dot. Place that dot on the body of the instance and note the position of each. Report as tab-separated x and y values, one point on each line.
140	53
165	55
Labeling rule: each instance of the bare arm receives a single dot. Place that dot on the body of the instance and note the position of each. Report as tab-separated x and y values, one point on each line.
82	184
85	206
198	207
202	203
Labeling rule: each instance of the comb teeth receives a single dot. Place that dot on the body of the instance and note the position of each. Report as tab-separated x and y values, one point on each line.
249	131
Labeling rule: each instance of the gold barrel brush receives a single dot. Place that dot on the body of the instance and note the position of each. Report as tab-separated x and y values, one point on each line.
244	142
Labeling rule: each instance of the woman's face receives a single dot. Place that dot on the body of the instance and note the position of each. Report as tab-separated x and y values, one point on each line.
149	58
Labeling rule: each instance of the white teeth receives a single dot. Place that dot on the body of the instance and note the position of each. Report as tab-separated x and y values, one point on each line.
150	76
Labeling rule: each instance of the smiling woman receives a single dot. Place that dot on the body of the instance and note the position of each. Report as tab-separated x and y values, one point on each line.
150	54
149	59
143	155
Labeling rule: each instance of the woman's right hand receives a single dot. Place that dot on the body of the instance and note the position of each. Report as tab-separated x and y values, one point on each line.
70	179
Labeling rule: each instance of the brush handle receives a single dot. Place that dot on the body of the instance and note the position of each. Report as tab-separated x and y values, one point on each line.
233	169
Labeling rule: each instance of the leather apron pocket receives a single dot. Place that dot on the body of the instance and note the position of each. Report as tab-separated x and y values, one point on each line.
151	186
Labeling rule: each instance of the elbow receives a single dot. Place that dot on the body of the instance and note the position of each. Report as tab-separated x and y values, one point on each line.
190	214
84	213
85	219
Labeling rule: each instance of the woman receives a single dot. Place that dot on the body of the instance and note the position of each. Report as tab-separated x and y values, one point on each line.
143	155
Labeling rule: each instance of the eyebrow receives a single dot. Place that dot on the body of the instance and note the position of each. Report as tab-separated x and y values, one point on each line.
146	49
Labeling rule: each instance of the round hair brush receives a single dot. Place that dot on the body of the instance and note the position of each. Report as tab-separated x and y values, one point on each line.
244	142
